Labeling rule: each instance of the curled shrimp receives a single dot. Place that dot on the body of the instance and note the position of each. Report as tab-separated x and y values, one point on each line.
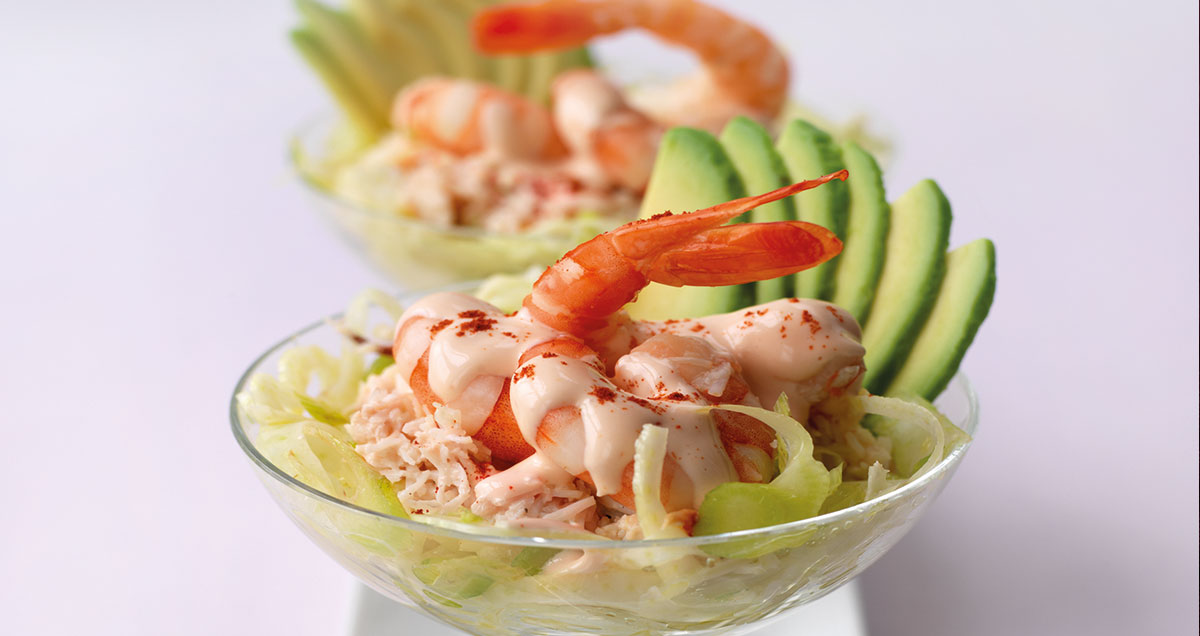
466	117
582	292
539	381
743	72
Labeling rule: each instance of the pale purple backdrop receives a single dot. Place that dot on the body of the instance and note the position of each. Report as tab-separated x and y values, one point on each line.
155	242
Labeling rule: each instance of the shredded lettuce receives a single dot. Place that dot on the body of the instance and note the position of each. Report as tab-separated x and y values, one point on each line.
358	314
320	456
919	441
267	401
920	437
796	493
339	377
650	450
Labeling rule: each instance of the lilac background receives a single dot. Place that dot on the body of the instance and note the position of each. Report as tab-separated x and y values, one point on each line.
154	243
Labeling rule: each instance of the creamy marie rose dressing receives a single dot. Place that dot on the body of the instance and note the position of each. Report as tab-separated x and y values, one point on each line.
611	421
802	348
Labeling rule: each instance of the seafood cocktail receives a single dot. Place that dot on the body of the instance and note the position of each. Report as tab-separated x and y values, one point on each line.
560	467
465	170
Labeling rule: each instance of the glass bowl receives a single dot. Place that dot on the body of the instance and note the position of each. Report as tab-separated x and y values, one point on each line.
418	255
489	584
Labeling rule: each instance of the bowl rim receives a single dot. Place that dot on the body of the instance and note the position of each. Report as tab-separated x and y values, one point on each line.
298	146
466	533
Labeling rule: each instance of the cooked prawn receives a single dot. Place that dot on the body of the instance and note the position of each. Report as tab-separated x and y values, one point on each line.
573	310
742	71
466	117
582	292
596	122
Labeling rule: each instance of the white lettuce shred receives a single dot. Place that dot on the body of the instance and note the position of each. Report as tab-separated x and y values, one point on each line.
932	445
359	312
649	451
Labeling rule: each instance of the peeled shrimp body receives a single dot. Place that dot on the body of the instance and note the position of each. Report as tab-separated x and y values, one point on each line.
466	117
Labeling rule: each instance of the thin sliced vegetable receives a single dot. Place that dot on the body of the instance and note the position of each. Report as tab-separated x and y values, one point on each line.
650	450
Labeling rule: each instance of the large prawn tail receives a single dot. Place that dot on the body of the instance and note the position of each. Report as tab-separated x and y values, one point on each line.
735	254
585	287
746	253
654	236
550	25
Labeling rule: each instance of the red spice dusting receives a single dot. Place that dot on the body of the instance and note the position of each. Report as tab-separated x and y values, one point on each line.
475	325
509	334
793	300
659	387
761	312
549	354
442	324
697	327
677	396
657	408
472	313
603	393
833	310
807	319
658	216
671	321
522	373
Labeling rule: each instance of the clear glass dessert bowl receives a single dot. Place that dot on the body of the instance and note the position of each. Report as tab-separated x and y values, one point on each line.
488	581
414	253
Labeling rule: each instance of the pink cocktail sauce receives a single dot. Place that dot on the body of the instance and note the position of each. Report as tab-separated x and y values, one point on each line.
798	347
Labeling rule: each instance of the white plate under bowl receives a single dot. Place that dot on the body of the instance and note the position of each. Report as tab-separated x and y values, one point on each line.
837	614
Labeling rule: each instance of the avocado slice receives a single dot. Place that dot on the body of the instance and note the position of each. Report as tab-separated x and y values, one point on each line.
911	277
452	29
861	260
761	168
691	172
962	304
808	152
346	43
346	93
402	40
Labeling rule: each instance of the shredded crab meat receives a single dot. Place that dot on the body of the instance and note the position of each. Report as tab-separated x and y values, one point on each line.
444	471
431	455
621	528
486	190
535	489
